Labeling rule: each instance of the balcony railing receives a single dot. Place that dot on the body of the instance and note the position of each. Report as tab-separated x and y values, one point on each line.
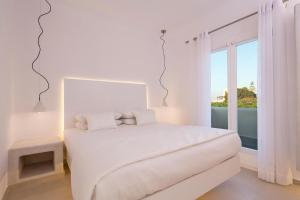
247	124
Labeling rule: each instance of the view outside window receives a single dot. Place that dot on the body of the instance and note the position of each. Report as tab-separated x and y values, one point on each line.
246	93
219	89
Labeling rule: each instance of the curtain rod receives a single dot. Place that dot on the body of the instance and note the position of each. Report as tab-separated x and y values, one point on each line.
231	23
226	25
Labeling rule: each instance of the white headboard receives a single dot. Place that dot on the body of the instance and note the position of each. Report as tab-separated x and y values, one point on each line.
94	96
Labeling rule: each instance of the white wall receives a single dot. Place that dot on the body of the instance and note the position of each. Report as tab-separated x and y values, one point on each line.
77	43
5	105
297	33
5	99
4	122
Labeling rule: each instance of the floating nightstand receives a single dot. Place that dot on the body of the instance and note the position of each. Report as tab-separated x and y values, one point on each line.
31	159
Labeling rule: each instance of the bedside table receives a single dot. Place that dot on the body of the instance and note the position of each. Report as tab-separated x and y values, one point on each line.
31	159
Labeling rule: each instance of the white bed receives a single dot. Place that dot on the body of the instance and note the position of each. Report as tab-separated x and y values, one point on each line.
151	162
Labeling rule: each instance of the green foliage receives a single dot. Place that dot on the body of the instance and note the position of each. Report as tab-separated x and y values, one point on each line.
246	98
245	93
247	102
219	104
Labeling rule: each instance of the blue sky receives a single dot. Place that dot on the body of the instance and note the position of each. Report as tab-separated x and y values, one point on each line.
246	68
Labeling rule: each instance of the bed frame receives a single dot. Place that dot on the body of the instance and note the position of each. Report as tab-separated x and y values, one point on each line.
84	96
196	186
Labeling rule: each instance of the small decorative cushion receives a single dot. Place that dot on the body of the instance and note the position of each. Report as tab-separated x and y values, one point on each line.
80	118
131	121
127	115
119	122
81	126
118	115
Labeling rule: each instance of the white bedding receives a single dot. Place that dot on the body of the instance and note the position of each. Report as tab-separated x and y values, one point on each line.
130	163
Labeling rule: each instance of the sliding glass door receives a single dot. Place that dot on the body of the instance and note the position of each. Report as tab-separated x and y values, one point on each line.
233	91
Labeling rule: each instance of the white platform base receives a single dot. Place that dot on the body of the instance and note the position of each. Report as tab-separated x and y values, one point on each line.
196	186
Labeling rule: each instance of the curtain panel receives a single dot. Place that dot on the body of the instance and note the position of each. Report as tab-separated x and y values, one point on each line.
274	155
203	50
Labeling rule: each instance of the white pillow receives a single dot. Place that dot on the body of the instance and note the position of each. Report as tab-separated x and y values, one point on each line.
131	121
82	117
81	126
101	121
127	115
145	117
119	122
117	115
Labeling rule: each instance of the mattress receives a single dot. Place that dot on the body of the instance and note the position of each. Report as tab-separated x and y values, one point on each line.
131	163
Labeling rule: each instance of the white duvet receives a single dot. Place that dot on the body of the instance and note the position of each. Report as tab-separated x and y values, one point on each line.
131	163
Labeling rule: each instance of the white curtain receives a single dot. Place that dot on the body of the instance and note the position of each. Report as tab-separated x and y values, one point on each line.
203	77
274	156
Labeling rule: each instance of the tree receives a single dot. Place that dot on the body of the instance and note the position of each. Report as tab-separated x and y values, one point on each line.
226	97
244	93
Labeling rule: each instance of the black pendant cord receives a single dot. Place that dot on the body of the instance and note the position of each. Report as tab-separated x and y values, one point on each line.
38	55
164	66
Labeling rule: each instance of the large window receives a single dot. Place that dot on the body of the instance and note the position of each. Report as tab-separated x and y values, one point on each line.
242	70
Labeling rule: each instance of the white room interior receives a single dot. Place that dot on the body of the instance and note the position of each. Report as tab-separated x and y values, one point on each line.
114	40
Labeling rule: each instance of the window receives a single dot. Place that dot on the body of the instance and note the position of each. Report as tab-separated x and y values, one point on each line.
246	93
239	62
219	93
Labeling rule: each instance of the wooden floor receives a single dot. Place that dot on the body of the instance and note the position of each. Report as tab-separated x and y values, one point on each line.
244	186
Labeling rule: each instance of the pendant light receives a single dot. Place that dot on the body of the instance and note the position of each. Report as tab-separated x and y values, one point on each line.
164	100
39	107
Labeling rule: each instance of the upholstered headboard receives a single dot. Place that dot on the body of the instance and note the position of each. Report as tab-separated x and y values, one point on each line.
94	96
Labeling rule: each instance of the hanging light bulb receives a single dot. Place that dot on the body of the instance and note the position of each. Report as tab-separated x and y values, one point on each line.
39	107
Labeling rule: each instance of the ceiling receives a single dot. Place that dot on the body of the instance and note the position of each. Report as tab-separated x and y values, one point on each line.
151	13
